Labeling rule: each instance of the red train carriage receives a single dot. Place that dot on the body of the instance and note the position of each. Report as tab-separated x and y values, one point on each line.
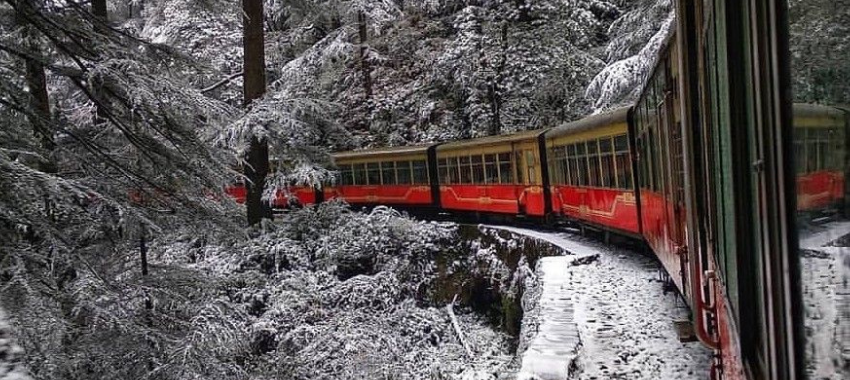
590	172
284	198
390	176
657	125
819	147
499	174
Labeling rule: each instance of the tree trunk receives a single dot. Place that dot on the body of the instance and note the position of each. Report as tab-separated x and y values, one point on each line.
37	85
257	157
365	70
98	8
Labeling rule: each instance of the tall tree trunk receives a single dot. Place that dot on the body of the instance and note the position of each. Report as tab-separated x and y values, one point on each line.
365	69
254	87
37	85
494	88
98	9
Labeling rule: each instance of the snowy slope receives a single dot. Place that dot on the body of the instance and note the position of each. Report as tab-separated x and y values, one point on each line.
9	354
826	297
623	317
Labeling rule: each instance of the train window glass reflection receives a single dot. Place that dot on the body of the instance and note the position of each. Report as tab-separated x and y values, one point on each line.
359	174
820	78
505	168
420	172
388	173
402	170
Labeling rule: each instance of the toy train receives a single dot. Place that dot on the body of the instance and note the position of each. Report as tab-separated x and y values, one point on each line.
712	167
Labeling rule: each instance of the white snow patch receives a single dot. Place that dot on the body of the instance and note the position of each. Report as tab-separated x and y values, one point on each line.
825	273
623	318
551	353
830	232
10	353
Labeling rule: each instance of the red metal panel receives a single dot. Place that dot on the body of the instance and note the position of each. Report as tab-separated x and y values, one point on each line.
237	191
503	199
305	196
387	195
819	189
608	207
659	232
730	352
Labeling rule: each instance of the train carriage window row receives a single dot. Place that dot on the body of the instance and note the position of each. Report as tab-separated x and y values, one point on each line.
602	162
385	173
818	149
493	168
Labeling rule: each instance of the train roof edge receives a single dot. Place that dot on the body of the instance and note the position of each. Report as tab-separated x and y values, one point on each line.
609	117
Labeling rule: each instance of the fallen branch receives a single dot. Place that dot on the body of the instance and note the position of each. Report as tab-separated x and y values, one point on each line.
222	82
456	325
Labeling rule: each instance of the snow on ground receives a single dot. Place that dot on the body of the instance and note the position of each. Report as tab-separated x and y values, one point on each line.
826	295
624	319
551	353
9	354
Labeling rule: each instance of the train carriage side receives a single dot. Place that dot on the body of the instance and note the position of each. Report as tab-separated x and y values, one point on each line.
819	139
398	176
495	175
657	124
590	172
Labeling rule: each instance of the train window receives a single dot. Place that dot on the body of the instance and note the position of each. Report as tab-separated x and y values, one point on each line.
572	165
402	172
346	176
443	170
606	159
388	173
506	172
559	171
800	149
359	174
465	169
581	159
530	163
593	163
812	153
420	172
520	172
491	174
454	176
477	164
624	164
373	173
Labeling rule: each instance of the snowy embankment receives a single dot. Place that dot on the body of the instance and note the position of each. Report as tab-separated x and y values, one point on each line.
9	354
623	318
825	267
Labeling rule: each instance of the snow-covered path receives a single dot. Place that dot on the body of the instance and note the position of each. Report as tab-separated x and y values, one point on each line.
553	350
623	317
825	273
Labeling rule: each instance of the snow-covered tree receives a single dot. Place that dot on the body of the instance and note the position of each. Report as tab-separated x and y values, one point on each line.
631	53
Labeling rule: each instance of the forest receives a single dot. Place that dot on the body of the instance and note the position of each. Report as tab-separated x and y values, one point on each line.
121	256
